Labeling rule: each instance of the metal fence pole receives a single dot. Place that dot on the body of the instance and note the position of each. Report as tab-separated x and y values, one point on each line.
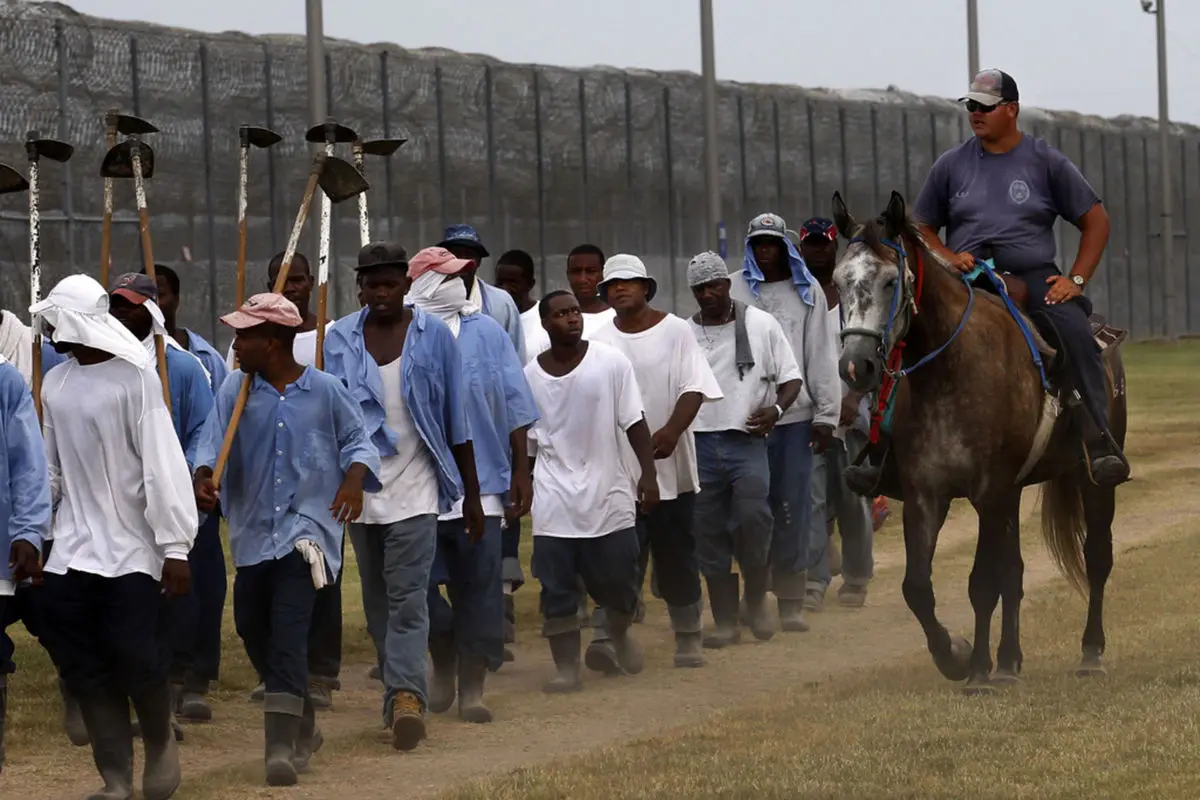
541	186
272	186
68	189
334	239
209	209
1128	229
671	243
630	205
1187	251
845	176
778	156
907	153
812	153
490	123
441	139
386	110
1149	230
583	146
135	86
741	121
875	190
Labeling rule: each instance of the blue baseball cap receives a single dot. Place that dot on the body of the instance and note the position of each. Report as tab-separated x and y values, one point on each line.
463	236
819	226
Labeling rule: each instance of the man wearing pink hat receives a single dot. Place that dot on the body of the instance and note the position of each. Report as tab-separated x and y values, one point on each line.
297	470
466	636
403	369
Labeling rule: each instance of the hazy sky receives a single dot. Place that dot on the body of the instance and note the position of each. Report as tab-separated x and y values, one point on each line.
1094	56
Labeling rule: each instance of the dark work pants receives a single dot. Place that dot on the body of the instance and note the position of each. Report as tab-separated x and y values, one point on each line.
471	572
25	606
325	633
107	634
1071	321
607	565
196	617
272	609
666	533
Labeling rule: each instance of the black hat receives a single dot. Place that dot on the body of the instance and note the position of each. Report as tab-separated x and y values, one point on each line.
382	254
992	87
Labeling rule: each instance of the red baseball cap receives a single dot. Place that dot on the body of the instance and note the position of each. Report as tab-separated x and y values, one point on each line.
265	307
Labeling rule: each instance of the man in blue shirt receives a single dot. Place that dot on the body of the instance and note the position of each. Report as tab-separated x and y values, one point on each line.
403	369
297	470
195	617
467	634
464	242
998	195
24	510
168	302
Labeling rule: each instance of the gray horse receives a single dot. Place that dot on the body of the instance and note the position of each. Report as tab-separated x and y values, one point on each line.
972	418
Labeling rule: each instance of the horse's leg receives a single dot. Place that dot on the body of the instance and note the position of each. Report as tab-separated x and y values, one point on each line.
1011	570
923	518
983	587
1099	507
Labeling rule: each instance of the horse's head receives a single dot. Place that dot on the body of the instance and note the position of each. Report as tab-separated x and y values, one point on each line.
876	290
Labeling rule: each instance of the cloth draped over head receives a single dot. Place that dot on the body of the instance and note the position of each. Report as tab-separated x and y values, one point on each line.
449	301
772	226
76	311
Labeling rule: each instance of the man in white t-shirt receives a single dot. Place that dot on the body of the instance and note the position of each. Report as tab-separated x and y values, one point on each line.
754	365
674	380
585	494
832	500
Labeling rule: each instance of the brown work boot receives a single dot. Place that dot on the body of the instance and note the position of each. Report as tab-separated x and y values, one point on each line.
408	721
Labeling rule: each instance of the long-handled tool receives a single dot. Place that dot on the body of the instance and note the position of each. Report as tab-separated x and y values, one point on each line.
374	147
134	158
330	132
262	138
126	125
37	148
339	181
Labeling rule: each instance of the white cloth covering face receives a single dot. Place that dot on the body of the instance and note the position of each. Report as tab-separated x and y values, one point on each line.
77	310
16	344
120	485
445	299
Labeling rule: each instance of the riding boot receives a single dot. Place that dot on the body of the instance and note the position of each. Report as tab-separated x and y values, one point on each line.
564	647
161	774
472	670
444	658
283	715
106	717
309	739
723	597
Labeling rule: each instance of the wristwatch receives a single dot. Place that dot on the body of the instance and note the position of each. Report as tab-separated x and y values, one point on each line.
1078	280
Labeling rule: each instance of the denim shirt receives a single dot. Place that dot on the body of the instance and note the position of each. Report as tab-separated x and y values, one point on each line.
191	400
213	361
289	458
25	481
499	399
499	305
431	380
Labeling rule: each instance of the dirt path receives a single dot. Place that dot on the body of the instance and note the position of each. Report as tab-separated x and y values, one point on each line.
224	760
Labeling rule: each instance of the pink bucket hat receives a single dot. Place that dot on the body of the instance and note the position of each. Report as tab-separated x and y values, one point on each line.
265	307
436	259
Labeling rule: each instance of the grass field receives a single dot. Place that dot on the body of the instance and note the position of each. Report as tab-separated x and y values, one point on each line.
854	709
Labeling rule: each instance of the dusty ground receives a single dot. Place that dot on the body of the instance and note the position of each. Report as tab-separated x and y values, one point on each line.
560	741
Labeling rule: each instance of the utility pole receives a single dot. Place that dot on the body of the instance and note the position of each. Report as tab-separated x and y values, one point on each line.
315	33
712	167
1164	160
972	39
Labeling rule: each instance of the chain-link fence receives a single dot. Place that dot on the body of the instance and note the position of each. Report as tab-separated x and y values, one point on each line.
540	158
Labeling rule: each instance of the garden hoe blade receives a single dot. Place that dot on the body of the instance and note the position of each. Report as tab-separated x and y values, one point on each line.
50	148
129	125
12	181
118	162
340	180
382	147
321	133
261	138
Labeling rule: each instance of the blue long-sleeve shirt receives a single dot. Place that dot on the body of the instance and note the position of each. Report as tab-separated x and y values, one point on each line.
499	305
213	361
431	380
191	400
25	483
498	398
288	460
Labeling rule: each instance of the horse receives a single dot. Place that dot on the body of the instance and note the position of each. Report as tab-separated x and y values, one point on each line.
973	417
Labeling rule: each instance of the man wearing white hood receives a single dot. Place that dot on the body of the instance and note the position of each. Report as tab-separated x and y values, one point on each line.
16	346
124	520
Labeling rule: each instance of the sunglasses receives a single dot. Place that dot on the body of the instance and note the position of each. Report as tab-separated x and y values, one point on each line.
974	106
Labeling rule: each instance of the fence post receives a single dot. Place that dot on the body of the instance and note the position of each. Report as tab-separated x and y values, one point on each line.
845	176
384	77
907	153
1128	229
741	120
490	122
583	145
812	153
441	139
60	43
213	300
630	208
541	188
778	156
135	80
1187	251
875	193
272	186
671	243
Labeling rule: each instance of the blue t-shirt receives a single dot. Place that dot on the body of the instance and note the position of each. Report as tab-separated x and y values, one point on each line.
1006	200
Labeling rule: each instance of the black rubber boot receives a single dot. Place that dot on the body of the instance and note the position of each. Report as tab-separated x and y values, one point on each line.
629	653
1106	463
282	718
161	774
564	647
723	598
309	738
472	670
106	717
444	658
72	717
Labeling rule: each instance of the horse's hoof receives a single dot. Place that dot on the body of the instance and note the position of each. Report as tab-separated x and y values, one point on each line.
1005	678
958	666
978	686
1091	665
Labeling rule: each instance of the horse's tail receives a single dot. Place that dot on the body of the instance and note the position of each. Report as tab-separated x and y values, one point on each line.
1063	527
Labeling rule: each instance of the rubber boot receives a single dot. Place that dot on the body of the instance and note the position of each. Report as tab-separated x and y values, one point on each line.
758	616
193	701
689	634
629	652
161	774
790	588
472	670
309	739
510	620
601	655
723	598
564	647
106	717
282	716
444	658
72	717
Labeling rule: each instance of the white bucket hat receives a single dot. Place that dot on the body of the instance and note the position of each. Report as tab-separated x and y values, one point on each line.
624	267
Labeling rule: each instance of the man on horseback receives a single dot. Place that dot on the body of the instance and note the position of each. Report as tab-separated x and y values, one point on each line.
999	194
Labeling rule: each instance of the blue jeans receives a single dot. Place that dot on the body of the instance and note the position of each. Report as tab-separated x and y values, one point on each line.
471	572
393	564
606	565
196	617
732	512
832	501
789	454
272	610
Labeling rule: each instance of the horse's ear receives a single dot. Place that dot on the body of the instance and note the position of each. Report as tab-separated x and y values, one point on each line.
895	216
846	224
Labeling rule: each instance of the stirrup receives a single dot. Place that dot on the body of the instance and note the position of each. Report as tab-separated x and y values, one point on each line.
864	475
